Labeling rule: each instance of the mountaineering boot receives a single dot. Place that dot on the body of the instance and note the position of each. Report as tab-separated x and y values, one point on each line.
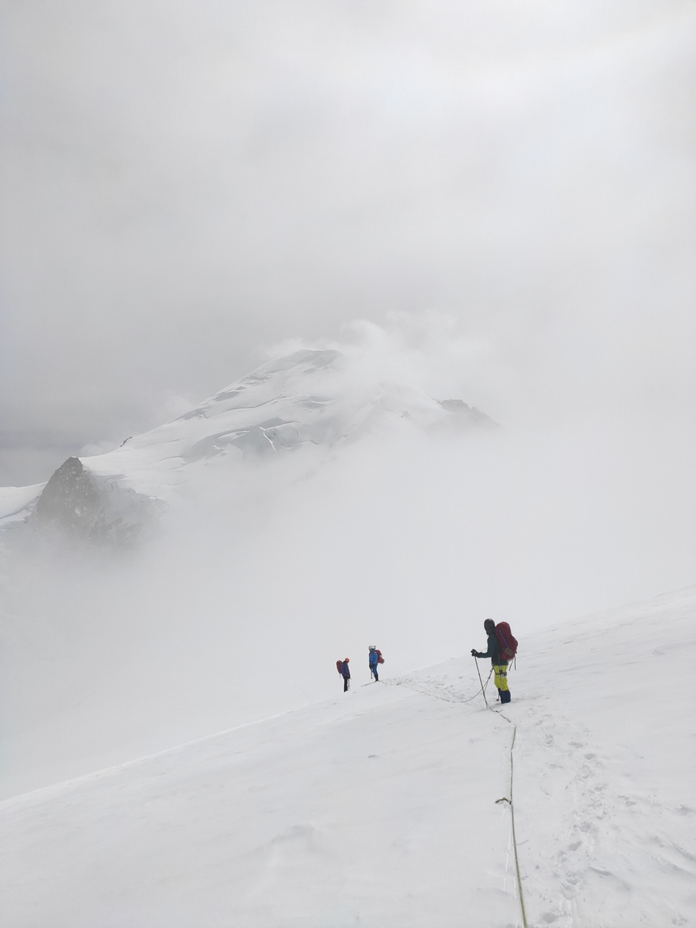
505	696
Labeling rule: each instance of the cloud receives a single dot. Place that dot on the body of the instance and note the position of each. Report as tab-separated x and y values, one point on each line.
262	574
185	186
487	201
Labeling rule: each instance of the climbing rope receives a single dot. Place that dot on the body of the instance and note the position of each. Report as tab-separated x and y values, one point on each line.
427	692
509	801
512	815
483	688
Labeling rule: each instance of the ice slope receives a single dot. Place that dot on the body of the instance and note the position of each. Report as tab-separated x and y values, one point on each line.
379	808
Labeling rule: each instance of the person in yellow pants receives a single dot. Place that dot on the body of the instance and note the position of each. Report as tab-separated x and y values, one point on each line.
499	664
500	679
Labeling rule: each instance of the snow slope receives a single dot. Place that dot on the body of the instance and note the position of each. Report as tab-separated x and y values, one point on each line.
310	398
110	650
379	808
15	500
306	398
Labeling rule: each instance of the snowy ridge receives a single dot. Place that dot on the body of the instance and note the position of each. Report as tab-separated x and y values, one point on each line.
14	502
379	808
305	399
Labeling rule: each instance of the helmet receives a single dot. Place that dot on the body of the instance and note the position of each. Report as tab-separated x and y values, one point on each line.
346	660
372	648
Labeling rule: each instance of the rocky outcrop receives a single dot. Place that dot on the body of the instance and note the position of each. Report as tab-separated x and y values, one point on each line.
70	500
462	416
75	504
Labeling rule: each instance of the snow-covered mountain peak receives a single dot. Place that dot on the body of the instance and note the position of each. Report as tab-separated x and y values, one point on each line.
288	376
307	398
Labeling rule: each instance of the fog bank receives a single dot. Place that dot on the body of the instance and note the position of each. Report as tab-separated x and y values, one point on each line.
264	574
184	184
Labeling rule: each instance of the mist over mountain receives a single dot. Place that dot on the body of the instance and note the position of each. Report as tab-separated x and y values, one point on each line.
441	256
308	398
209	572
145	586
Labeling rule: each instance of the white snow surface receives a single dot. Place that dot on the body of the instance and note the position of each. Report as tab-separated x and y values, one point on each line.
306	398
380	807
14	501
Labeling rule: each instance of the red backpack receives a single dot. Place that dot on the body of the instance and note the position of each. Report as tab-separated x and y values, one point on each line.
380	659
339	667
506	640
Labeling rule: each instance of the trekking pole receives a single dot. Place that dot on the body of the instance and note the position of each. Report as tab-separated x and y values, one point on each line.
483	688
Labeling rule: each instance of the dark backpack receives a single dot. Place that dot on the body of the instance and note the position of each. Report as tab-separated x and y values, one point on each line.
380	659
339	667
506	640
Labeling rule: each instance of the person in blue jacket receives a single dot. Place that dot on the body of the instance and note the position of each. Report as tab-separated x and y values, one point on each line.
373	661
345	673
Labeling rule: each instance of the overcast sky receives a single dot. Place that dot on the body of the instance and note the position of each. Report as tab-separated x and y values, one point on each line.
185	185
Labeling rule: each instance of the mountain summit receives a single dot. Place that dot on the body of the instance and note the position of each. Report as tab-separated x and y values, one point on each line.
308	398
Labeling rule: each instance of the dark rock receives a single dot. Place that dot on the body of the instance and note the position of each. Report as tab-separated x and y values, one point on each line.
76	505
465	416
70	499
